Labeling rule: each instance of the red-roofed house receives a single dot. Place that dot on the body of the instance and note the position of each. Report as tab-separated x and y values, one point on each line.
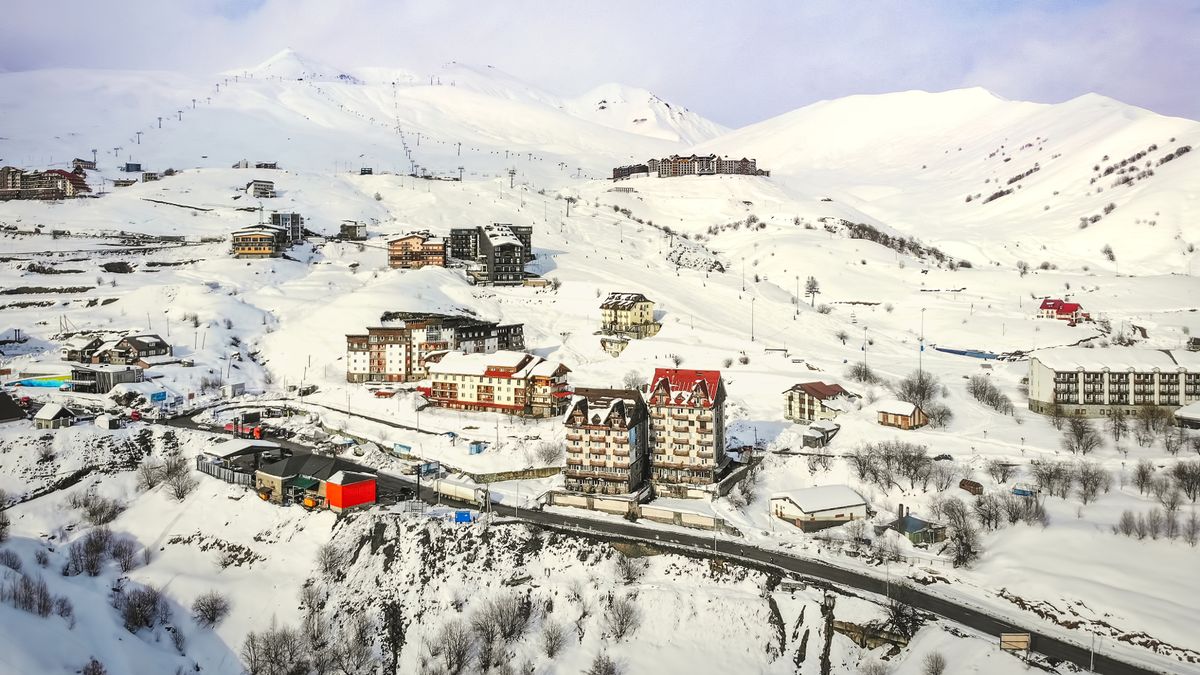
811	401
1053	308
687	429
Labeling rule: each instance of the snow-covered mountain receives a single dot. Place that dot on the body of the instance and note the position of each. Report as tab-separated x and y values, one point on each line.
860	189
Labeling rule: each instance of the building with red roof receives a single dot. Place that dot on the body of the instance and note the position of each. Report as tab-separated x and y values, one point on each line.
687	430
808	402
1053	308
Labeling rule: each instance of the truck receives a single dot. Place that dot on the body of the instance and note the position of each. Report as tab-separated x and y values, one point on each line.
462	491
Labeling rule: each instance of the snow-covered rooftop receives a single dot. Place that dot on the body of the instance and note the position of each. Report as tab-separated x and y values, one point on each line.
822	498
1116	358
893	406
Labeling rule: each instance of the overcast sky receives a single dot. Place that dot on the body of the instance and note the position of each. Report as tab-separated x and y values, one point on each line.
735	62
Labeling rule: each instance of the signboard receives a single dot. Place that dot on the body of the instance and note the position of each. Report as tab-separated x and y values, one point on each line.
402	449
158	396
429	468
462	516
1015	642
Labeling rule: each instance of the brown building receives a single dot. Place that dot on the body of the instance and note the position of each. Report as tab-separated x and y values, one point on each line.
900	414
607	441
416	250
812	401
259	241
510	382
53	184
397	353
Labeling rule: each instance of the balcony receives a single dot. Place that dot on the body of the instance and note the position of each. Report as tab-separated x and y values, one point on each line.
705	454
620	440
620	453
679	417
681	452
575	461
705	431
681	430
706	417
574	448
574	437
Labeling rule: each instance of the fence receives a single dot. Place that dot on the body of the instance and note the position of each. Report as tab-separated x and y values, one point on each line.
224	473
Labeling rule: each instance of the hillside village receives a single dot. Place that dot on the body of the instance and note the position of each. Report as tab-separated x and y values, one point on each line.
405	396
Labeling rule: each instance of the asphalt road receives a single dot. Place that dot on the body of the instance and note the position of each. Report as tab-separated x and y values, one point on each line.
392	485
724	548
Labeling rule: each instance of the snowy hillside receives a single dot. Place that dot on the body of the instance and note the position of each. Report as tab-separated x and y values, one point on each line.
939	166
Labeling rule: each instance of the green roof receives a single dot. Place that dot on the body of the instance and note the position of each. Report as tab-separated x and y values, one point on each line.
304	482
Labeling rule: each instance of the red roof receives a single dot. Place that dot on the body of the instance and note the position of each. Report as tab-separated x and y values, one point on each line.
682	384
1051	303
821	391
75	179
1069	308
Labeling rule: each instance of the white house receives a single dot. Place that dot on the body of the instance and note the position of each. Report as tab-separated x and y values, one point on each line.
817	508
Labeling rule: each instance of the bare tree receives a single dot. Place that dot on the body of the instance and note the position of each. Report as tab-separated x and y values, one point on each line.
934	664
329	559
352	653
633	380
124	551
1117	423
452	645
1143	474
943	475
873	667
1080	437
861	372
210	608
1187	475
630	569
150	474
988	509
623	617
819	461
1000	471
919	388
181	485
1058	415
93	667
554	638
1191	529
549	452
603	664
1173	440
1091	478
141	607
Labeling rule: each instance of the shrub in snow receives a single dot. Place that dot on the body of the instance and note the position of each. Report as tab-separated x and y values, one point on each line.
93	667
329	559
554	638
934	664
603	664
141	608
209	608
630	569
10	559
622	617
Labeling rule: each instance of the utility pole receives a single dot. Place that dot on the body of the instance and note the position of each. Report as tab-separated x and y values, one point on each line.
460	170
743	274
921	353
139	137
864	345
93	155
458	149
160	121
180	115
512	175
752	318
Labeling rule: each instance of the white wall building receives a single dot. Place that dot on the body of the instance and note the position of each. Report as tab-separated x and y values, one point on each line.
1091	382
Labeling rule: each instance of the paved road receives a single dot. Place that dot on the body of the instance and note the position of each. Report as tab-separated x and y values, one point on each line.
693	544
392	485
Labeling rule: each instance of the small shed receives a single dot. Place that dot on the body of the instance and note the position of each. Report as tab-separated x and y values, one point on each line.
348	489
108	422
53	416
819	433
917	530
816	508
971	486
900	414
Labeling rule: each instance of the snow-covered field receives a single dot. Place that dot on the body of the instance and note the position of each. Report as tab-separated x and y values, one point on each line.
902	164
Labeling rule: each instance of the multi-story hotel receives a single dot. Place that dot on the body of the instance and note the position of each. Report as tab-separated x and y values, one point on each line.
396	353
628	314
509	382
499	252
1091	382
607	441
416	250
687	429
